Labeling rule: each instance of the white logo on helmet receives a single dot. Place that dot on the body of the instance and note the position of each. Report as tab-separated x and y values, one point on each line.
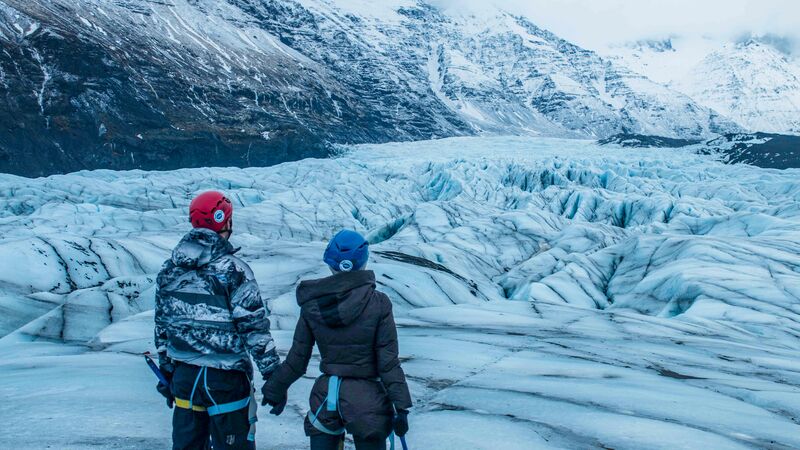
346	265
219	216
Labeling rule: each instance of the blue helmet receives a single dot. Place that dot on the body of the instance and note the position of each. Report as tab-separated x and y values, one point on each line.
347	251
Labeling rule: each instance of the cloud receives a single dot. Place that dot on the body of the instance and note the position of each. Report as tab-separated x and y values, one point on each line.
595	24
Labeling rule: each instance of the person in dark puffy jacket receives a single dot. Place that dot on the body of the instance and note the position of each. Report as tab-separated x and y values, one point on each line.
209	320
353	326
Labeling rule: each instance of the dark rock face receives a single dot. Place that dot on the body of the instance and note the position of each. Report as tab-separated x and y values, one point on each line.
162	84
773	151
72	101
638	140
768	150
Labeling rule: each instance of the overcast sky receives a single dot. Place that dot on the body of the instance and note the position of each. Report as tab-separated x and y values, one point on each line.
595	23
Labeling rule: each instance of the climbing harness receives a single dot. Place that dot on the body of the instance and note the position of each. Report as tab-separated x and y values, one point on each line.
223	408
216	409
332	403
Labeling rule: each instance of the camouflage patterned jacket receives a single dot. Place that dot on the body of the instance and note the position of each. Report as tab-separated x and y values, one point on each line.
209	310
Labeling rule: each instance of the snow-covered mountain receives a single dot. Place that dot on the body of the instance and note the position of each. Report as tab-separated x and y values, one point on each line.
155	85
751	81
549	293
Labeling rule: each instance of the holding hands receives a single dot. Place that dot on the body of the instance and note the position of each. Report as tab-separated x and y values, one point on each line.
278	404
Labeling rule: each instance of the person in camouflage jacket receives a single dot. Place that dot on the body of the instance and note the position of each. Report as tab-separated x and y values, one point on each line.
209	321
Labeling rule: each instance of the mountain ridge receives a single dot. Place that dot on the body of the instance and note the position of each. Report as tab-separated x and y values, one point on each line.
753	80
180	83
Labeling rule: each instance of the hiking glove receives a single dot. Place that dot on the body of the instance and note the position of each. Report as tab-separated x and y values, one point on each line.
400	423
277	405
277	408
167	370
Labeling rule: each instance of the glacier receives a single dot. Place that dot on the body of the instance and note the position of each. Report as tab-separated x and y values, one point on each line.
549	293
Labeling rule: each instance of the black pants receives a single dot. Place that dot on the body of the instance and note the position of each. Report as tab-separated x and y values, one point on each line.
191	430
330	442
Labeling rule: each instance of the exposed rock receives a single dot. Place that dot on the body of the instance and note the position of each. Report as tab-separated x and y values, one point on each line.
162	85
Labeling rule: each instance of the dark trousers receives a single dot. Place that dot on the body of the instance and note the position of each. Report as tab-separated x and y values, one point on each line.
196	430
330	442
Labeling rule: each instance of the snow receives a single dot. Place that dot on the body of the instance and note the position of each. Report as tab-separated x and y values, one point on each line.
752	82
665	65
549	293
412	67
500	60
385	11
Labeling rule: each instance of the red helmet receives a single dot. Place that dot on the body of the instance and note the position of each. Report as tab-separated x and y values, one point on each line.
211	210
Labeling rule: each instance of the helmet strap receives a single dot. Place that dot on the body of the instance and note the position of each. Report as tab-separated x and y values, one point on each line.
227	228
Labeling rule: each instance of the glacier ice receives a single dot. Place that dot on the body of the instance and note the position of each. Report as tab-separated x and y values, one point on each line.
557	293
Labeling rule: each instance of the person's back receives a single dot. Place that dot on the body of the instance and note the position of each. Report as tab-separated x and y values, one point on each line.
352	324
209	320
195	292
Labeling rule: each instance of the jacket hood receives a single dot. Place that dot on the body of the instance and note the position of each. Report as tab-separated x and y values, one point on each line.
337	300
200	247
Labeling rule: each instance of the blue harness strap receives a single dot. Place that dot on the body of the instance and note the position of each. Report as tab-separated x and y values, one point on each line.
217	409
252	412
334	383
194	388
228	407
332	402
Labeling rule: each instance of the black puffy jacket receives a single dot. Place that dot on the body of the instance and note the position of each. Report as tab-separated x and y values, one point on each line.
353	326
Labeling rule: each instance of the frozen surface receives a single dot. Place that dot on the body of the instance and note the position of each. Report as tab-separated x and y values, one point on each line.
550	293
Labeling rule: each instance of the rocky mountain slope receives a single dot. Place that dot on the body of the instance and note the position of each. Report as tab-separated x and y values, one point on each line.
766	150
754	82
176	83
776	151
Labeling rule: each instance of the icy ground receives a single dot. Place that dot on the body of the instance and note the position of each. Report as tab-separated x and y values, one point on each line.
550	293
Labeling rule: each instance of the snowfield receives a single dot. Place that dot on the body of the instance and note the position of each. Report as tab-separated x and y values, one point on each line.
550	293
